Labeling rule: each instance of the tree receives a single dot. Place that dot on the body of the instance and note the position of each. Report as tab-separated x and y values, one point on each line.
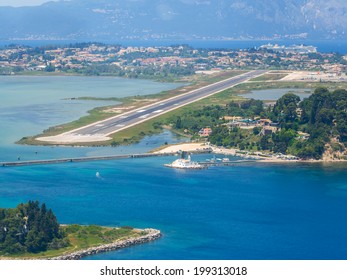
265	143
285	108
50	68
257	130
321	98
283	139
178	123
325	116
28	227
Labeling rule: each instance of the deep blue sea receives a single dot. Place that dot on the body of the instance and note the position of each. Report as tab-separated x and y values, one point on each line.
250	211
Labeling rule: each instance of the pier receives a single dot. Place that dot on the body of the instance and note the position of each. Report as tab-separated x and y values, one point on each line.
81	159
227	163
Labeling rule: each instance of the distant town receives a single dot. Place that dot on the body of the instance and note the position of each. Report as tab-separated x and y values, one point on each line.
162	62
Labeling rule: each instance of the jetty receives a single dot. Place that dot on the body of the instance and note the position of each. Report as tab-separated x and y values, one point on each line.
151	235
228	163
81	159
203	164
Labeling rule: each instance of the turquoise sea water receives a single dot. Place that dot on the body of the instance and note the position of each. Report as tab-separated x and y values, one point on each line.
253	211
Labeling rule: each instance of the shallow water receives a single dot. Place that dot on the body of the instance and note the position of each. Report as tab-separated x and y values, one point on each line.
275	94
31	104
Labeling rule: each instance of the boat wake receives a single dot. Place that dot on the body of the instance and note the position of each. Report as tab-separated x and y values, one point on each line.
97	175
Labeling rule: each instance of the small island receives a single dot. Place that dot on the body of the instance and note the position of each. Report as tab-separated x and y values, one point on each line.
31	231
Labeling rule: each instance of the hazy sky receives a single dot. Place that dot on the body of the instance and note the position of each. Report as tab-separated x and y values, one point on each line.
18	3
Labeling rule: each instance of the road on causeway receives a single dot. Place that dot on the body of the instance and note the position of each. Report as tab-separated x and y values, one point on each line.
131	118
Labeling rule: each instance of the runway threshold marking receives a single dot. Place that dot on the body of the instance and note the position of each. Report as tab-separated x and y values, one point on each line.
144	116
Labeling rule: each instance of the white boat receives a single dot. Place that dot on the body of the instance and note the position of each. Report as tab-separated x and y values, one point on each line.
185	164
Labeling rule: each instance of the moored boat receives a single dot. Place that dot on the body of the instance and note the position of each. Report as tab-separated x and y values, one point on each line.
182	163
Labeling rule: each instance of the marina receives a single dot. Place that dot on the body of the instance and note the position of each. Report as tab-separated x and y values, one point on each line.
183	163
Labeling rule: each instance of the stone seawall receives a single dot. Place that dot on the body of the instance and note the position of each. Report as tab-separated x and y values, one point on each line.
152	234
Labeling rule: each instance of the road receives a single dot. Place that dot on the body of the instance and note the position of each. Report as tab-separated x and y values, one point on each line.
131	118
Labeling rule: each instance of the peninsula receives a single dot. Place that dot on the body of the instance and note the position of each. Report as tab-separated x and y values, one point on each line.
100	131
31	231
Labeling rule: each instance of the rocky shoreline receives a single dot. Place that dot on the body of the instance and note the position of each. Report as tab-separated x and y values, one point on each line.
152	234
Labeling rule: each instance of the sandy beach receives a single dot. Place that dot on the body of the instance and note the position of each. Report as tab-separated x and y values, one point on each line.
200	147
186	147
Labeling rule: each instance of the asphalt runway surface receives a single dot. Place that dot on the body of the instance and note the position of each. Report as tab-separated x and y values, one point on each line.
120	122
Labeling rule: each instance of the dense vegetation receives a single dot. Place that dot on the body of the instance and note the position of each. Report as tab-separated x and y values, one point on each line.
93	235
322	116
31	231
30	228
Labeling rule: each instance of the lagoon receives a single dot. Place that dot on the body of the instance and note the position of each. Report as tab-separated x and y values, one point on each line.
31	104
275	94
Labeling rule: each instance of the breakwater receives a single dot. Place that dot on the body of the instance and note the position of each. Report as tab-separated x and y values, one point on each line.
151	235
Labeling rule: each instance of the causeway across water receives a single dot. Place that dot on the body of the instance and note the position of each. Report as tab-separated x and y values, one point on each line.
113	157
81	159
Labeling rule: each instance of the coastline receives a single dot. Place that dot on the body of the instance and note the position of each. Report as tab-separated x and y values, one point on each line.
268	158
152	234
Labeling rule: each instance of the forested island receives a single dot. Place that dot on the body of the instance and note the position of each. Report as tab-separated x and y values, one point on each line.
31	231
313	128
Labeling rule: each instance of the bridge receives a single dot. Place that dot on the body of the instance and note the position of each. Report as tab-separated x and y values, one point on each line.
81	159
115	157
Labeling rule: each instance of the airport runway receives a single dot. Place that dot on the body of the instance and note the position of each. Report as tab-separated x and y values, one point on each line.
120	122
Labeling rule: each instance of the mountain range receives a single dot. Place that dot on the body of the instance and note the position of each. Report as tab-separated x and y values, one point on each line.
176	19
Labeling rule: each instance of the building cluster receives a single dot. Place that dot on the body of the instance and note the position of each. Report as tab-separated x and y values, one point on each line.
79	56
267	126
205	132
